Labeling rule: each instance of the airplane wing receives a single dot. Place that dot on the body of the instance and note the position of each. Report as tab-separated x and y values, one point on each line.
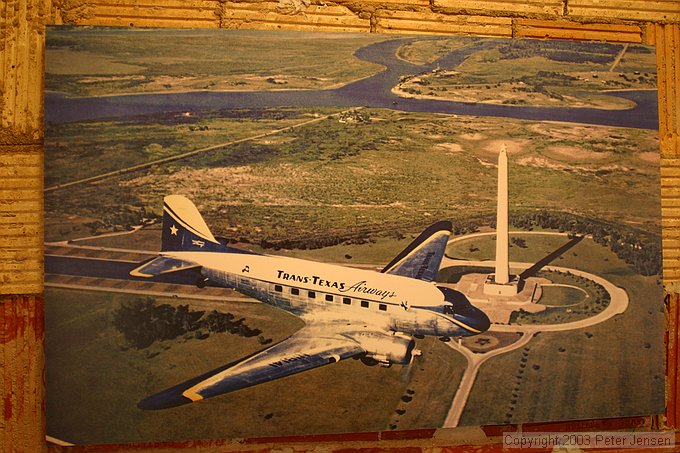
422	258
310	347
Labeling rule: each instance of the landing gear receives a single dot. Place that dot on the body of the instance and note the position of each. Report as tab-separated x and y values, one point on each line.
201	282
444	339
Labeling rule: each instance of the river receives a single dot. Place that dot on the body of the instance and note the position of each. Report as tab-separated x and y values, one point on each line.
374	91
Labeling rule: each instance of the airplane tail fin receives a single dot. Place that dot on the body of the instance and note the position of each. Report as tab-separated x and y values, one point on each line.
184	229
422	258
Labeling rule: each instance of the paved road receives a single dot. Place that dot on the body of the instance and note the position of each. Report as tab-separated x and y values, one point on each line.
617	305
165	160
475	361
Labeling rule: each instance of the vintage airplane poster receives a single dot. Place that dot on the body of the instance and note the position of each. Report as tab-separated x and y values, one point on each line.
253	233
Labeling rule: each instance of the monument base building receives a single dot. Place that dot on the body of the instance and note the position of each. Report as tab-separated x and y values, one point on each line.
509	289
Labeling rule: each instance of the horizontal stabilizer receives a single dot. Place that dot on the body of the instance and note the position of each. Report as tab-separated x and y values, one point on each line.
161	265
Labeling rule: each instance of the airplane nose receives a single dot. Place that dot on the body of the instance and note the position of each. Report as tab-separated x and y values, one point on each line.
478	320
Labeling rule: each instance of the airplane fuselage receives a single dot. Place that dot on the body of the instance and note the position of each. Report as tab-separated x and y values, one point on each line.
348	312
319	291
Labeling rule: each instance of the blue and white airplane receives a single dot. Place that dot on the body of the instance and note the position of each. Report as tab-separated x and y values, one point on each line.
347	312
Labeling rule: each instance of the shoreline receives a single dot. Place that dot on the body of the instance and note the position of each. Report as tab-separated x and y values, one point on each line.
404	95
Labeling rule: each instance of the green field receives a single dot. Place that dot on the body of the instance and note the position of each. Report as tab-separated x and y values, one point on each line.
561	296
329	182
80	150
94	381
607	370
101	61
428	50
540	74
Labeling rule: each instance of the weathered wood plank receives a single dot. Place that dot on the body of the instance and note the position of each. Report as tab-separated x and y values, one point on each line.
388	21
671	242
20	253
672	324
508	8
22	25
668	75
153	13
21	350
670	205
374	5
272	16
670	167
662	11
21	156
31	182
671	253
551	29
23	217
21	229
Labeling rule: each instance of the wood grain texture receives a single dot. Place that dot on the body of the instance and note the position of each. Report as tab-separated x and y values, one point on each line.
144	13
271	15
672	324
388	21
22	35
670	210
507	8
550	29
21	224
22	25
667	39
21	382
661	11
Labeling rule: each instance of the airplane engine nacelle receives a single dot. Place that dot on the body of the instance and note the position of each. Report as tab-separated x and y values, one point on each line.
386	349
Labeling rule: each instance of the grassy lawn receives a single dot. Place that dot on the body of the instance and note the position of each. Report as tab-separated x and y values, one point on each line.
484	247
561	296
110	60
608	370
94	381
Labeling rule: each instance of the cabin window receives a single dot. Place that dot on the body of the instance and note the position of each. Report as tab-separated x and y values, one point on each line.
311	295
347	301
382	307
329	298
364	303
278	288
294	291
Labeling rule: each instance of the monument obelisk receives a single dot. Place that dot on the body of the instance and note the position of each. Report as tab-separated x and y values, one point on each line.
502	275
501	283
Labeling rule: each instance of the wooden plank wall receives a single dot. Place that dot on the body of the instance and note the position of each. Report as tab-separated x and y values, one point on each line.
22	31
